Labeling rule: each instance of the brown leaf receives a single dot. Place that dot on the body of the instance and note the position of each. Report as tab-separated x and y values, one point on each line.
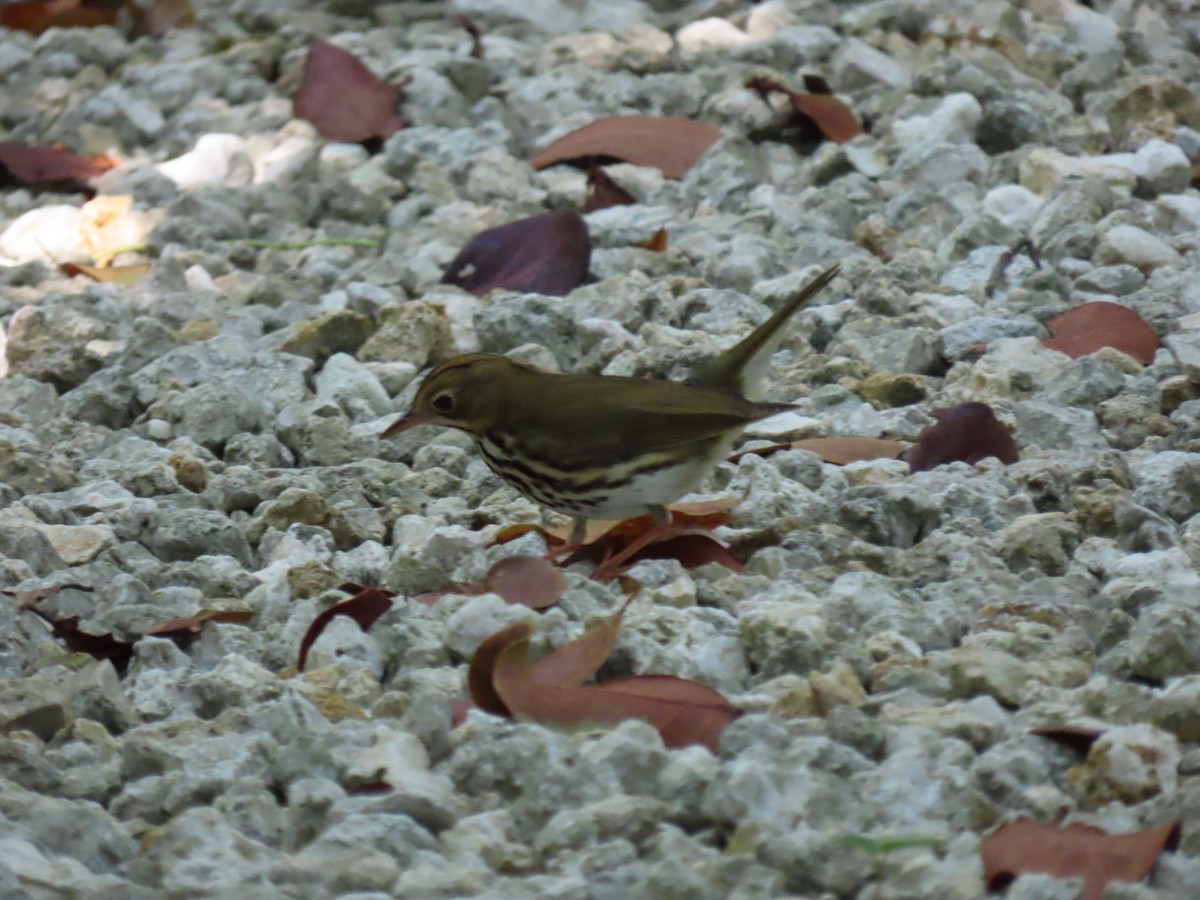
682	714
365	607
526	580
670	144
343	100
691	551
507	533
483	664
100	646
571	664
603	192
111	274
1072	851
1086	328
184	630
31	164
838	451
657	242
546	254
1074	737
968	432
811	114
37	16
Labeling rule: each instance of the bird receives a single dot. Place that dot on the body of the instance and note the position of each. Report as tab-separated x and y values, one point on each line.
604	446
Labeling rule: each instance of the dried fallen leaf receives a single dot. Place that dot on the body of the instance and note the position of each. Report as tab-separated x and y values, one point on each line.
37	16
968	432
483	664
111	274
813	114
657	242
603	192
838	451
546	254
342	98
670	144
365	607
684	712
691	551
99	646
526	580
186	629
31	164
1071	851
1074	737
1086	328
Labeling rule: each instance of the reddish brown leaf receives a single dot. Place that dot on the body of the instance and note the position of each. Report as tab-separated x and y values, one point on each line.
343	100
100	646
31	164
1074	737
838	451
691	551
579	660
1086	328
1072	851
968	432
507	533
670	144
483	664
603	192
692	713
185	629
657	242
365	607
546	254
677	712
811	114
526	580
111	274
459	707
37	16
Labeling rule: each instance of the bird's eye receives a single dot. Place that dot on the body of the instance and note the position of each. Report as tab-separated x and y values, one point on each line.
443	403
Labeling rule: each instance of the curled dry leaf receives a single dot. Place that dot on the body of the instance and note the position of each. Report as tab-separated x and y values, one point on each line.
185	629
1086	328
668	143
683	712
657	242
546	254
30	164
838	451
603	192
1073	851
342	98
526	580
1074	737
365	607
968	432
817	113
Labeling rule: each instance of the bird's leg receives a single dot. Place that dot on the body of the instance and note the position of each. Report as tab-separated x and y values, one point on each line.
574	540
656	532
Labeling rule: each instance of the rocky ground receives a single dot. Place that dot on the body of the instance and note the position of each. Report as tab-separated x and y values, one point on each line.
207	437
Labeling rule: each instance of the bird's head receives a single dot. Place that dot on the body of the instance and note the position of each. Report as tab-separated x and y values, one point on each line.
463	393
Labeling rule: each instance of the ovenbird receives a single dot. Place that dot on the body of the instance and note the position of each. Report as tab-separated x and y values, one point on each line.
602	446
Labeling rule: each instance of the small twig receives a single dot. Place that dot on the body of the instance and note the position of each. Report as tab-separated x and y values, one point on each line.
1006	259
303	245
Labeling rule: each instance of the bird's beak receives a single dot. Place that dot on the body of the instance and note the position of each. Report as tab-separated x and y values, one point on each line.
409	420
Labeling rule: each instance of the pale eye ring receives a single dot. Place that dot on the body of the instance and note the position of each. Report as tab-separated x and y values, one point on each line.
443	403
